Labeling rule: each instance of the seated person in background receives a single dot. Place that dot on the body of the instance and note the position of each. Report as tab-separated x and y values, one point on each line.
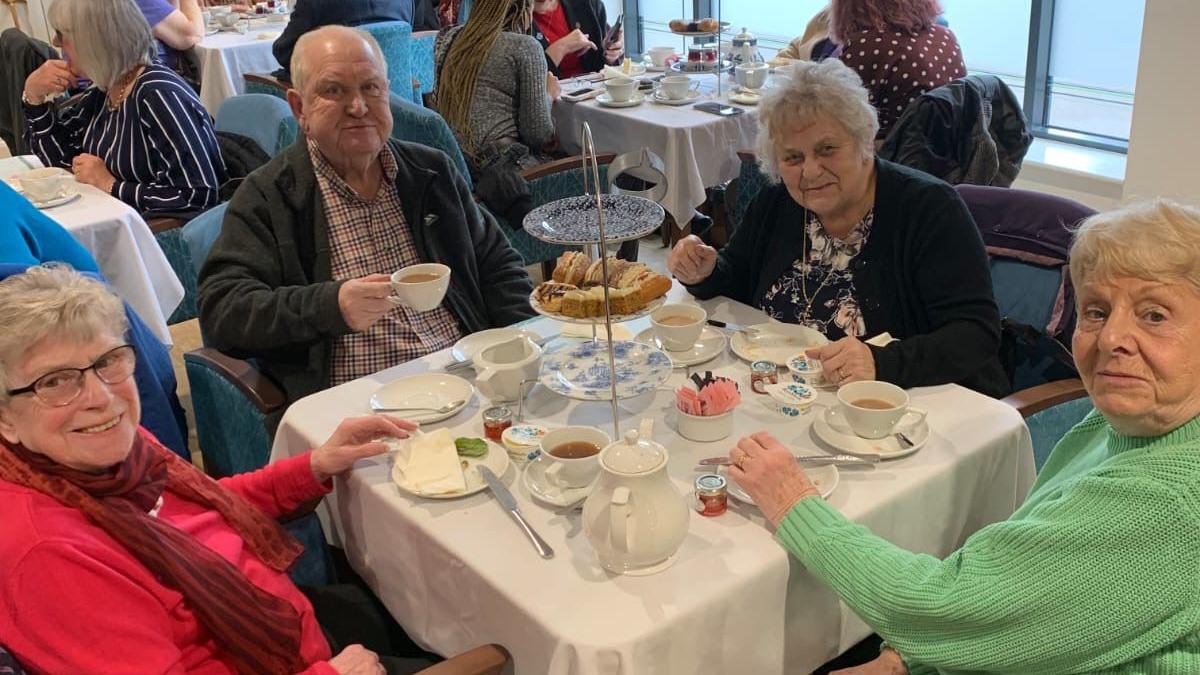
898	50
299	277
118	556
572	33
1097	571
308	15
177	25
139	133
813	45
853	246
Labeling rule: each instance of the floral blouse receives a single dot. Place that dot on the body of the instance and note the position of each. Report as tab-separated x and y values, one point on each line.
819	293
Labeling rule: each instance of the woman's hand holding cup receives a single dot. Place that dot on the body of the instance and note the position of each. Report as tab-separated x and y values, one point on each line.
691	260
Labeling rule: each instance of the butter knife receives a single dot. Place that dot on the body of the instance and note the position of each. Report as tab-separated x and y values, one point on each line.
506	500
809	460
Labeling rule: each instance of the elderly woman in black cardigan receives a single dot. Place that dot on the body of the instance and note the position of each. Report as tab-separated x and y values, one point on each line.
853	246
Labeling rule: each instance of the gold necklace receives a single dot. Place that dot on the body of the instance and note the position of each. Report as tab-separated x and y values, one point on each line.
124	86
808	302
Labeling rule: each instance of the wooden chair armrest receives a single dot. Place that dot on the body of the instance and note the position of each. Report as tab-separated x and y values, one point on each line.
163	224
482	660
256	387
1036	399
564	164
266	79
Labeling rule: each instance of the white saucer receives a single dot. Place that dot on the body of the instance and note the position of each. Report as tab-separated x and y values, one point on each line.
775	341
841	437
57	201
535	481
606	101
707	348
470	345
690	98
825	478
431	390
744	98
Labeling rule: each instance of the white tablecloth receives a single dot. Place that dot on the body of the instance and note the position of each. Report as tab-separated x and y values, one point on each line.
699	149
226	56
123	246
459	573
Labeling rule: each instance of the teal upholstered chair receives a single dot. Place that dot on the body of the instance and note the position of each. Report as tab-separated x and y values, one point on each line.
265	119
417	124
548	182
167	233
265	83
743	189
1050	410
394	38
423	70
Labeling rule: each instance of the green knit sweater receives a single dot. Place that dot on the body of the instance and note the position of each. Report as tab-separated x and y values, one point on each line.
1097	572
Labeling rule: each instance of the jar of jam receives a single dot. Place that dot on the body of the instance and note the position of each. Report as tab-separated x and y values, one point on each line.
712	494
763	373
495	420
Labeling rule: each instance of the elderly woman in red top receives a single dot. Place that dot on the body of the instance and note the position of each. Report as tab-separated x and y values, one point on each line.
118	556
898	50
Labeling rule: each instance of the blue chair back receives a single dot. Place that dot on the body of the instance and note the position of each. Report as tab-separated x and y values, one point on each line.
201	233
265	119
417	124
394	38
422	62
750	181
1047	427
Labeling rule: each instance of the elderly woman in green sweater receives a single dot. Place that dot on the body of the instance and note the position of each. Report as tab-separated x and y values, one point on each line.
1099	570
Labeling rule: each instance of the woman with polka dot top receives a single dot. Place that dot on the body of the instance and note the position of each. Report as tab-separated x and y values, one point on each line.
897	49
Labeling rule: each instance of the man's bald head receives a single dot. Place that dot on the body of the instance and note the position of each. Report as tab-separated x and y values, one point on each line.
324	40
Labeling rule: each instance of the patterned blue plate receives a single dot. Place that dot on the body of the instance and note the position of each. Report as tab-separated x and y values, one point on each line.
572	221
580	371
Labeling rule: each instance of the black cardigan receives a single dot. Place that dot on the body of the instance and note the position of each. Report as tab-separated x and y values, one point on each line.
266	289
923	277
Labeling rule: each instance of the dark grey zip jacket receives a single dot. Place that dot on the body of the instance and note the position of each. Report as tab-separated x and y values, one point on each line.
266	290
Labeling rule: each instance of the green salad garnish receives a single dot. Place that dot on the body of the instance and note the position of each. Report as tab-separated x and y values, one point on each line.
471	447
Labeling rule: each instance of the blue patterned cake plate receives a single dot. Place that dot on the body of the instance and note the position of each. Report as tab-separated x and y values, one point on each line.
580	370
572	220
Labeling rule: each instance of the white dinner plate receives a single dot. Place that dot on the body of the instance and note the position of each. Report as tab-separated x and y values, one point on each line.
71	196
535	481
775	342
496	459
889	447
825	478
635	68
690	98
470	345
744	98
580	370
606	100
711	343
427	390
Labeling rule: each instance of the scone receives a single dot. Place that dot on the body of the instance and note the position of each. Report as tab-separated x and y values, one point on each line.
571	268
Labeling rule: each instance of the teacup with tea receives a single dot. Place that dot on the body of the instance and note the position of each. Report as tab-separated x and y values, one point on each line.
572	454
678	325
420	287
873	409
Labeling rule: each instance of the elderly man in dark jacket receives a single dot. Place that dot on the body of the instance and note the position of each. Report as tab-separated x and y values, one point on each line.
298	278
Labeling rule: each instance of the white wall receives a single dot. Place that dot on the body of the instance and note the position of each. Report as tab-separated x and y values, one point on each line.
1164	144
32	17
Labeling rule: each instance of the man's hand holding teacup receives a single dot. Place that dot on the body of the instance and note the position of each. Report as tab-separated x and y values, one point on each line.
364	301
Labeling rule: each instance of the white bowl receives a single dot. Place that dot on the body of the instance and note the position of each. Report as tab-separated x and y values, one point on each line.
704	428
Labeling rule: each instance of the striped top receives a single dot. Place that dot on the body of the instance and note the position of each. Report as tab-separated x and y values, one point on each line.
159	143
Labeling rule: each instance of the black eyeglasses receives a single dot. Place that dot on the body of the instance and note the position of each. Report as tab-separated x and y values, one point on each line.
60	387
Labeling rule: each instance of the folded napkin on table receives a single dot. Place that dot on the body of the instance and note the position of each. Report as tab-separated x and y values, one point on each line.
429	464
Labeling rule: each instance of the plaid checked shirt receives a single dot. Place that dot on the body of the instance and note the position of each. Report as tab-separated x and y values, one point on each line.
368	237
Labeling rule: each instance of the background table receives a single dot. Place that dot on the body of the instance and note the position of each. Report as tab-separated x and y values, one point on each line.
226	56
459	573
123	246
698	148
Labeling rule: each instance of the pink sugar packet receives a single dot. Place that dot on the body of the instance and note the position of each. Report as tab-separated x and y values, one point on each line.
712	396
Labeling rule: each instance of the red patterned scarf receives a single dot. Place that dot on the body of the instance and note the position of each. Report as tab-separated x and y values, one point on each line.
258	632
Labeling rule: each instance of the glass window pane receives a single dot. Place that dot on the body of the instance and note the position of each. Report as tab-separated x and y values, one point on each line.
774	22
655	14
1094	51
993	41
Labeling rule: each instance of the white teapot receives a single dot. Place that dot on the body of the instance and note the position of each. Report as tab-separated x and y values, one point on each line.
635	518
502	367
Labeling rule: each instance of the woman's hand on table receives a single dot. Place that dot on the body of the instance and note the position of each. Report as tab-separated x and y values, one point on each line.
354	439
768	471
847	360
51	78
90	169
553	88
691	260
888	663
357	660
575	42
